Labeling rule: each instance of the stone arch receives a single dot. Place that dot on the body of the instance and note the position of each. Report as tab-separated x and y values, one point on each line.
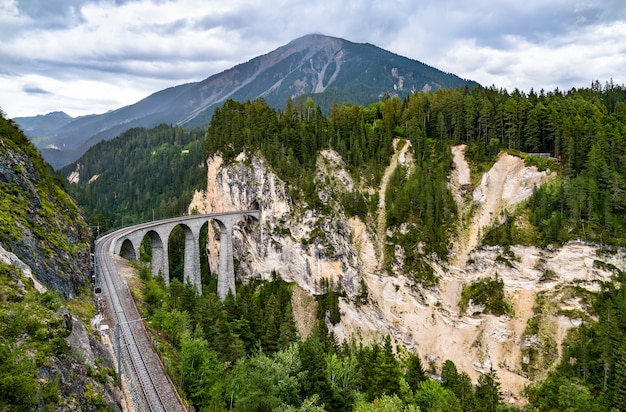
254	206
127	251
222	227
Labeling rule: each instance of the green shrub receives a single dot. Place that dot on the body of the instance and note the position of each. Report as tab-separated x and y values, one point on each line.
355	204
50	299
541	163
487	292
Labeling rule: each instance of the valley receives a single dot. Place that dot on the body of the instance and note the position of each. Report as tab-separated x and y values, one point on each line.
415	241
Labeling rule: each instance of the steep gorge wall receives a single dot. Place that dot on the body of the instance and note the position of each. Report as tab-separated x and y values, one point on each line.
41	224
301	245
426	320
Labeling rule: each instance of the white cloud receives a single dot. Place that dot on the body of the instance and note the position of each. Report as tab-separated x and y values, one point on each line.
569	60
96	55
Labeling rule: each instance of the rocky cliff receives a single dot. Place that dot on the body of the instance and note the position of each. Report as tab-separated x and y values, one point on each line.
544	287
41	224
301	245
50	359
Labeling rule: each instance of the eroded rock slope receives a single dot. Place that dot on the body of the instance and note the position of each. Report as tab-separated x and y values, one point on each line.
305	247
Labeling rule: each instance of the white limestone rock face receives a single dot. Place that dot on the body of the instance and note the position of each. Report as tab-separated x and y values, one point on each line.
9	258
305	247
291	239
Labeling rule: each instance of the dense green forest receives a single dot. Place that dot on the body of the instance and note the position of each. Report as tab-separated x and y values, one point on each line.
139	175
583	131
245	354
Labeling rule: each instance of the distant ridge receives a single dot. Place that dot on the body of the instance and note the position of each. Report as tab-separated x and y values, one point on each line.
327	68
43	125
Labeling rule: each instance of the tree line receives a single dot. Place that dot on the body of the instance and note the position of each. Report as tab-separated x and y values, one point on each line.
141	174
582	131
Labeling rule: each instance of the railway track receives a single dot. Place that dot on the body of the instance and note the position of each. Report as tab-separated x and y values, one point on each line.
148	383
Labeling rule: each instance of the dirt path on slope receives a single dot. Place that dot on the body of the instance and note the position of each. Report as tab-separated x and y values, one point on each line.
461	174
381	228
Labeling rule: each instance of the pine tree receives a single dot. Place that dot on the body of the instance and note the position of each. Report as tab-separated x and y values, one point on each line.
449	374
415	372
619	395
488	395
313	361
464	392
362	298
387	372
532	142
288	332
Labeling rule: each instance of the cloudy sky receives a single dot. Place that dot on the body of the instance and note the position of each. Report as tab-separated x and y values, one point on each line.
91	56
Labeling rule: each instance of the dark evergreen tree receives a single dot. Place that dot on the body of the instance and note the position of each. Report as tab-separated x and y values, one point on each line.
619	395
386	371
288	333
414	372
313	359
487	392
449	374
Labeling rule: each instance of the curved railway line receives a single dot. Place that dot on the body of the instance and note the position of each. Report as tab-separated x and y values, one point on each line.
150	388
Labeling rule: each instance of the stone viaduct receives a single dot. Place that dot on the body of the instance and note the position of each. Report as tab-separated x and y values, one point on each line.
159	231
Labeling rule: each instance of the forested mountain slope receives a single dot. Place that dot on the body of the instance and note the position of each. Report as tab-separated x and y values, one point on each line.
140	175
324	222
48	359
431	224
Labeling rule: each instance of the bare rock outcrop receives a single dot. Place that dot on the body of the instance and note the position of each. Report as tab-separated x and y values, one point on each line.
302	245
306	246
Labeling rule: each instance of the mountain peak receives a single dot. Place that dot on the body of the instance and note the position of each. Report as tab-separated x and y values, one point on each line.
315	38
58	114
328	68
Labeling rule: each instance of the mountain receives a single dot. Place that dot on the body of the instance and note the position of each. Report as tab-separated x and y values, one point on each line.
43	125
328	68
